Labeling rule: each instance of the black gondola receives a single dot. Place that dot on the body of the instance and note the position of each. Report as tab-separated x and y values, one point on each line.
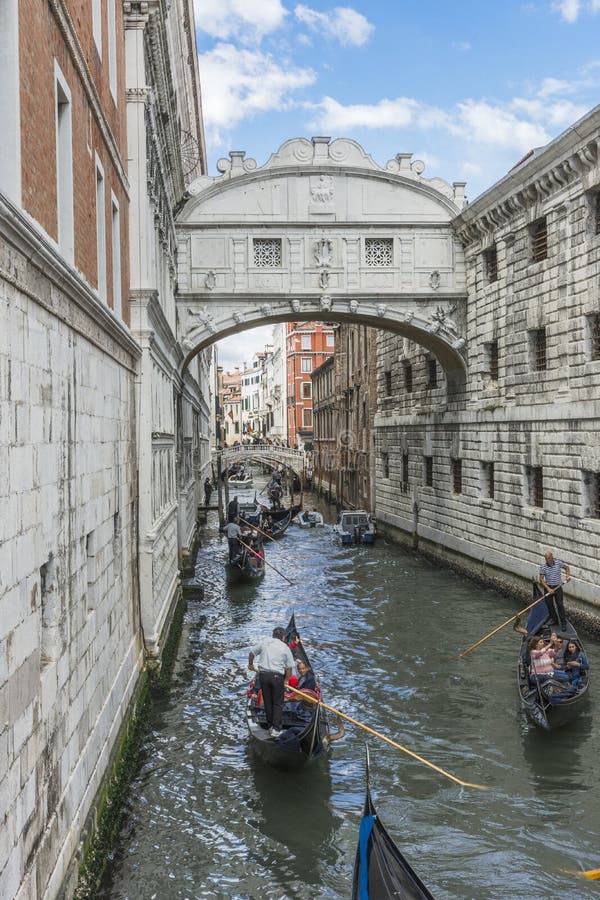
246	567
548	703
278	514
278	528
380	870
306	735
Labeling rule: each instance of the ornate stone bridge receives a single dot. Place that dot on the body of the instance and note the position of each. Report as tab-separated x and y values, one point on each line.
321	232
296	460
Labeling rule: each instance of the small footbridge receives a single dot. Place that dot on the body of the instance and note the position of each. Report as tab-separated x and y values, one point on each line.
267	454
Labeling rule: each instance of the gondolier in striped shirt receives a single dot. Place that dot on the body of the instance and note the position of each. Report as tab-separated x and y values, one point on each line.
275	663
551	580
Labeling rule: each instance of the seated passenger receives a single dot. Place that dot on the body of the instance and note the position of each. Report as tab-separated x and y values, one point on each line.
575	661
541	654
559	646
306	677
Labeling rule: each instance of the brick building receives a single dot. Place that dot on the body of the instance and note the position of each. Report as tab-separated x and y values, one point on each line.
308	344
325	443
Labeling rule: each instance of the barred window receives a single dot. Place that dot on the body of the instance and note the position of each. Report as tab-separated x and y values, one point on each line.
388	383
267	253
379	252
591	494
539	239
457	476
431	372
408	378
405	472
535	486
593	323
537	349
491	353
385	462
487	480
428	471
491	263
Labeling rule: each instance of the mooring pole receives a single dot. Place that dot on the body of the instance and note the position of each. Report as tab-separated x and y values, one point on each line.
220	492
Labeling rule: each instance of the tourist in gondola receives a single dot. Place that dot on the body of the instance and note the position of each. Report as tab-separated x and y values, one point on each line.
233	533
551	580
575	661
207	491
542	659
306	677
233	510
275	664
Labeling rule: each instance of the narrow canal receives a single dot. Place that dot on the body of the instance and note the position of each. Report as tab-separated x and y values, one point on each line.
383	628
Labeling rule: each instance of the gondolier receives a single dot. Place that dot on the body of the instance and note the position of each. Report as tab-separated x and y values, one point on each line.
275	667
233	510
551	580
233	533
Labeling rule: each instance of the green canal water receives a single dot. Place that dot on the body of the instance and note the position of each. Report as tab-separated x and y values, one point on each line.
383	628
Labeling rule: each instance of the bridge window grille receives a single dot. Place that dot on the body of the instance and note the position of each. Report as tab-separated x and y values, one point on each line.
385	463
491	352
457	476
591	494
379	252
388	382
408	378
539	239
535	486
537	338
267	253
487	480
594	335
491	264
405	472
428	471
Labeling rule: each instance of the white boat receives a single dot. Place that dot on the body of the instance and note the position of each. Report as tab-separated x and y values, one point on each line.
355	526
309	518
244	482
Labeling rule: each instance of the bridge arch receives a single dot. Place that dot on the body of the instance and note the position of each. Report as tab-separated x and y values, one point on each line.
321	232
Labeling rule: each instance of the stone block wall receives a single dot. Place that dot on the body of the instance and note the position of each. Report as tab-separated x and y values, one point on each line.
69	655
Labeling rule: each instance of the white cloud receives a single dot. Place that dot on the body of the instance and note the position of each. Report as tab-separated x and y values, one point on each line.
342	24
239	348
461	45
568	9
552	86
334	117
246	21
238	84
486	123
558	115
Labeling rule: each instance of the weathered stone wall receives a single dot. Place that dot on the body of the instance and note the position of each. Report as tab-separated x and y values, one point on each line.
69	655
520	419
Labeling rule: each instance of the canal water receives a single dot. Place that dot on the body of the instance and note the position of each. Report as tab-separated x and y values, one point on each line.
383	627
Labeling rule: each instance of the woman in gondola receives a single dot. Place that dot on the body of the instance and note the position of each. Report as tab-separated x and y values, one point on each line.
575	662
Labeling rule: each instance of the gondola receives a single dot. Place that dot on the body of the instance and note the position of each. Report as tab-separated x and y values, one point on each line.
279	528
306	735
548	703
246	568
380	870
281	513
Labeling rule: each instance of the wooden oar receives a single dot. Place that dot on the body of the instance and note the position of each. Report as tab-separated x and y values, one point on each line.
508	621
256	528
254	553
388	740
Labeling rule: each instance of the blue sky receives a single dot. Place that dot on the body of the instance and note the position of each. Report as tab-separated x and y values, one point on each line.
468	86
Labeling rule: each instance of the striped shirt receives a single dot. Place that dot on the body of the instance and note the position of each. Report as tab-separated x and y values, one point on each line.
551	573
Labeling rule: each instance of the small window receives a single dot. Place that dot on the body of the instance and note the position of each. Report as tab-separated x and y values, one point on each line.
388	383
431	364
112	48
306	364
535	486
491	359
97	24
593	329
537	349
490	257
408	377
64	166
379	252
457	476
90	552
306	390
487	480
116	257
306	343
428	471
405	472
307	418
101	230
539	239
330	339
591	494
49	612
267	253
385	464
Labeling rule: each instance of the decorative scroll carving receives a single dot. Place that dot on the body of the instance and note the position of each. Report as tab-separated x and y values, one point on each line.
322	190
205	318
210	281
323	252
435	280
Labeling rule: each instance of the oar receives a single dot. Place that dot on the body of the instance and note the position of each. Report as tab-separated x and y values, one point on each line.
388	740
256	528
254	553
508	621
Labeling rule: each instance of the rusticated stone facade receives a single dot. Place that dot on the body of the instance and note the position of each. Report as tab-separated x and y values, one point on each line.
515	470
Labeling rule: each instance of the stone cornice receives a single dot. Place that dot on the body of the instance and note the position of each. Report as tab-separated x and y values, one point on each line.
87	314
65	24
561	163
